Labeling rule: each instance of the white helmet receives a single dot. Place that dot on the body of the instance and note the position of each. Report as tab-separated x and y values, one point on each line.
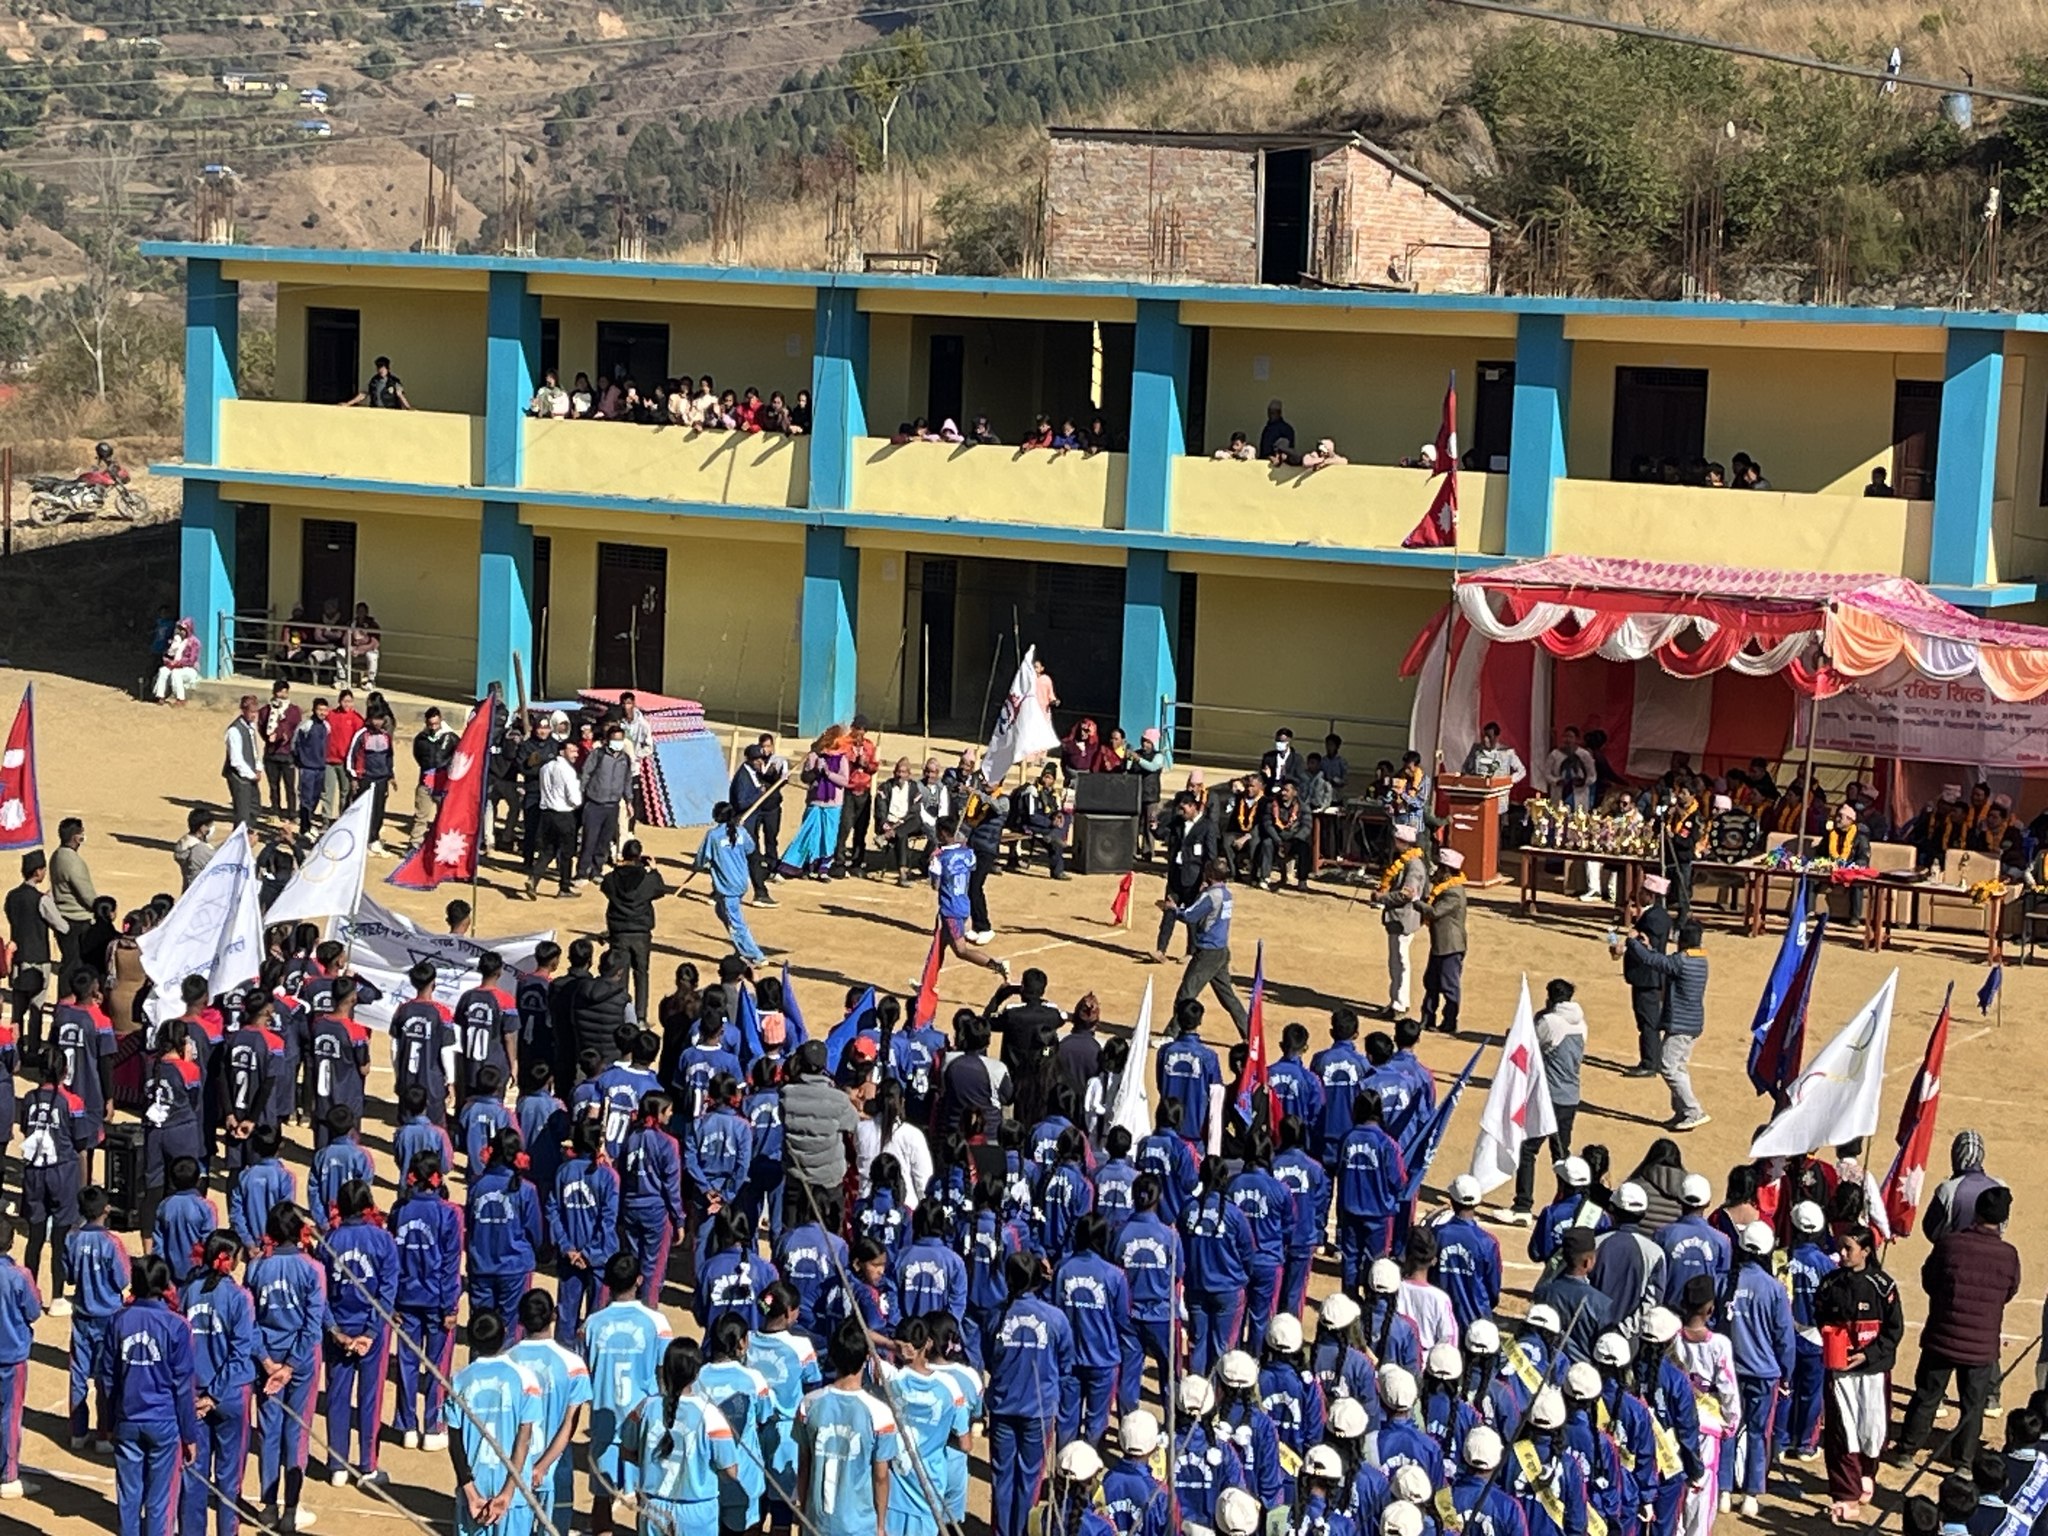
1196	1395
1695	1193
1483	1337
1808	1218
1399	1519
1347	1419
1573	1173
1483	1449
1324	1462
1582	1382
1384	1278
1464	1191
1543	1317
1547	1411
1611	1350
1138	1433
1759	1239
1238	1369
1283	1334
1661	1326
1410	1484
1078	1460
1339	1311
1237	1513
1632	1199
1444	1363
1397	1388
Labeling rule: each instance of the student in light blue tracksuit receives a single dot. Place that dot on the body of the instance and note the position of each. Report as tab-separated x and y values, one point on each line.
1758	1321
21	1305
263	1184
1033	1394
224	1346
1148	1251
99	1270
781	1352
428	1231
290	1292
503	1221
184	1221
651	1210
362	1290
146	1374
1097	1301
583	1225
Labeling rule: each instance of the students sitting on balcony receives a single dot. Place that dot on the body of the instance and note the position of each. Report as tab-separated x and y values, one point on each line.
949	431
1240	448
1276	432
704	404
1282	453
1751	478
384	389
728	411
1068	437
747	417
981	432
550	399
1880	483
1041	434
675	403
1098	438
365	642
1323	455
582	398
775	415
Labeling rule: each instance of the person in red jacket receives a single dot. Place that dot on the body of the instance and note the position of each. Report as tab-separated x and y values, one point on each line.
342	724
1969	1278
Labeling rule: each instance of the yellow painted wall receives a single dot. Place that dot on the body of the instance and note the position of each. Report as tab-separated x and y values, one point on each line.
435	341
1816	421
1349	637
1379	396
1762	529
769	349
958	480
879	629
606	458
1349	506
1012	371
421	447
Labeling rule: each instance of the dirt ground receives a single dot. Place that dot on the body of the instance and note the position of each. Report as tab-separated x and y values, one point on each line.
132	770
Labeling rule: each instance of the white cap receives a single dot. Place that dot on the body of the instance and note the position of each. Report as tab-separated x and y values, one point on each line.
1661	1326
1758	1238
1347	1419
1404	834
1397	1388
1547	1411
1384	1278
1573	1171
1323	1461
1450	858
1695	1192
1284	1333
1238	1369
1482	1447
1079	1461
1611	1350
559	720
1444	1362
1464	1191
1808	1217
1410	1484
1723	803
1581	1382
1632	1199
1339	1311
1483	1337
1196	1395
1237	1513
1544	1316
1138	1433
1399	1519
1656	885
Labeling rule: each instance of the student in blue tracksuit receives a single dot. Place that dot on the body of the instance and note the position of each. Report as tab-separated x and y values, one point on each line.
224	1345
21	1305
718	1149
1667	1391
482	1116
1391	1336
418	1132
1547	1483
1288	1388
1097	1300
930	1276
1165	1155
620	1087
1692	1245
1342	1070
99	1271
542	1120
502	1214
146	1375
1042	1144
810	1257
1757	1318
564	1381
1241	1415
1114	1179
263	1184
583	1225
1204	1456
1134	1500
782	1354
1033	1394
917	1054
57	1134
1372	1187
1294	1083
1805	1267
1066	1196
622	1344
1609	1487
184	1221
1217	1241
1188	1074
1400	1440
651	1210
362	1290
761	1195
1444	1411
1342	1365
341	1161
1149	1253
866	1294
733	1277
1407	1089
1302	1173
1483	1506
495	1409
1467	1256
290	1293
428	1231
702	1064
1573	1207
1268	1207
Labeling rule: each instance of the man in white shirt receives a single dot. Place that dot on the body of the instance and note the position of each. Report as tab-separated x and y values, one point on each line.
896	819
1492	758
561	797
640	743
1569	773
1425	1305
243	766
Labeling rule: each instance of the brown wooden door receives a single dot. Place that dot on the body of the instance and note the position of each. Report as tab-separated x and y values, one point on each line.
1659	414
632	617
1916	428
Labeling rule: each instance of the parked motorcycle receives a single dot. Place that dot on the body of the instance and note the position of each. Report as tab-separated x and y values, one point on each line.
81	498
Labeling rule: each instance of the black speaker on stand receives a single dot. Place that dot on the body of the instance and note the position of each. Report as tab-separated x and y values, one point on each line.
1104	844
122	1176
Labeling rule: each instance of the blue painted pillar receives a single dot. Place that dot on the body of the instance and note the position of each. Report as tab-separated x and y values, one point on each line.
1151	619
504	600
1542	413
212	348
829	661
839	378
511	373
206	571
1966	459
1159	392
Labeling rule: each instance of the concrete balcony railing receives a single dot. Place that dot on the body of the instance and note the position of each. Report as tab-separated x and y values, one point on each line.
1348	506
412	447
622	459
1786	530
989	484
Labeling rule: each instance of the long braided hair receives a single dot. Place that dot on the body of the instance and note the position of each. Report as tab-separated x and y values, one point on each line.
680	1364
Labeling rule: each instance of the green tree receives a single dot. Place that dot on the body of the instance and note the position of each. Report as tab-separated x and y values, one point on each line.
883	79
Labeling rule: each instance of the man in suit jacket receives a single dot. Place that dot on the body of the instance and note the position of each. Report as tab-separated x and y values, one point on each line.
1189	841
1036	812
1283	762
1654	927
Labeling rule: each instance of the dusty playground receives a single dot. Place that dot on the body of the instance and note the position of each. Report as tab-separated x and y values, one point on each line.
132	771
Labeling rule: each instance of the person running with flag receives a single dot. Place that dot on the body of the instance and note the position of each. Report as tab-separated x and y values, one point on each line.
952	867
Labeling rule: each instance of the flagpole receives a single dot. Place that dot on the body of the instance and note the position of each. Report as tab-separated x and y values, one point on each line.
1443	696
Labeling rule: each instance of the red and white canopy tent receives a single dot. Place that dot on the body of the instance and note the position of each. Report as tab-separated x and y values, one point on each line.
1708	659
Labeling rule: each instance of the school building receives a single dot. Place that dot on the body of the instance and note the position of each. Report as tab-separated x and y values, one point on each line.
796	580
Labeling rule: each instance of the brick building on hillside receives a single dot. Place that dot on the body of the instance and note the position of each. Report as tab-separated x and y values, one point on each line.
1256	208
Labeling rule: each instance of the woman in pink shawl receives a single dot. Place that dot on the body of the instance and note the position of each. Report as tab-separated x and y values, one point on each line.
181	664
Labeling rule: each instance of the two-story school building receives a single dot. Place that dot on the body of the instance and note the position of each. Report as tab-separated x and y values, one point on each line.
799	579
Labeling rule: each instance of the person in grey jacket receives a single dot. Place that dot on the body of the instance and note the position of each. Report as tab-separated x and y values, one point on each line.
1443	978
71	888
1953	1205
818	1126
1685	1016
607	779
1400	905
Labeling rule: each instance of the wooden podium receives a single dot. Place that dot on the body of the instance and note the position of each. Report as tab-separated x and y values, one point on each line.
1474	806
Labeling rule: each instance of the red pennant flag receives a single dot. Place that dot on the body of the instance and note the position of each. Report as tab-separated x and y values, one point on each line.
1120	909
1903	1185
21	810
926	1008
1439	526
1254	1092
449	851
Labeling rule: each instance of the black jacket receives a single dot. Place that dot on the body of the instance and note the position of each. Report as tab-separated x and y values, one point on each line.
630	892
1189	846
1653	925
597	1009
1867	1302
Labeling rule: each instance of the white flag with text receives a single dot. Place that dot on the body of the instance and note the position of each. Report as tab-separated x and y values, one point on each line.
1131	1111
1023	728
216	928
1517	1102
1836	1098
330	881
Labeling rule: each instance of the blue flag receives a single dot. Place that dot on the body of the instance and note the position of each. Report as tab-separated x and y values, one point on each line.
846	1029
792	1016
1433	1133
752	1048
1777	1035
1988	993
